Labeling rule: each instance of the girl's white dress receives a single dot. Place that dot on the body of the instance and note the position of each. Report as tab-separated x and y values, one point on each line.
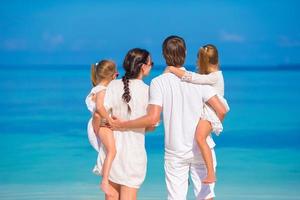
91	105
216	80
129	165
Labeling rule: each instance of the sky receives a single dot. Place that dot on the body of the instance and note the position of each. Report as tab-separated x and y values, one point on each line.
247	33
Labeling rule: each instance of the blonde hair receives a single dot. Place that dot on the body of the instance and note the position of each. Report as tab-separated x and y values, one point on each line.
102	70
207	56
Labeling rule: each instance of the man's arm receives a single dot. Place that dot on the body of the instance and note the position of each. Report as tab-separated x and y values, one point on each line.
218	107
149	120
153	111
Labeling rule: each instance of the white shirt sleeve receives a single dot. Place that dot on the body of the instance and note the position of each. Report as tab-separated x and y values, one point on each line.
208	92
156	94
196	78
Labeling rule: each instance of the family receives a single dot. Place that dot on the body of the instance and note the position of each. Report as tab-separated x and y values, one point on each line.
124	109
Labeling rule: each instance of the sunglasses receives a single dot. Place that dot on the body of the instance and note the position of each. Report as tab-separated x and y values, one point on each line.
116	74
151	64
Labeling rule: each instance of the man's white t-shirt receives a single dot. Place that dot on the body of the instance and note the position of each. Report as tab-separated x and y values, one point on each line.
182	105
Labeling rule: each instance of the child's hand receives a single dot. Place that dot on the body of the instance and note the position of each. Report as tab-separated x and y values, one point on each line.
168	69
105	123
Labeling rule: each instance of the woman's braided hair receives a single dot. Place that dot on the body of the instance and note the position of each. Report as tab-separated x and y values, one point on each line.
132	65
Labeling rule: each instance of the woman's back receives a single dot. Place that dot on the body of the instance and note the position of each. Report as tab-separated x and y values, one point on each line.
129	165
135	108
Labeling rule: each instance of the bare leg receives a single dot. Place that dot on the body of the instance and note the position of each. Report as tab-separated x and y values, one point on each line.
96	122
107	139
128	193
202	132
116	188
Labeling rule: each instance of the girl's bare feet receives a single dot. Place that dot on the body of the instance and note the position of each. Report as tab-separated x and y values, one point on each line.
210	178
108	189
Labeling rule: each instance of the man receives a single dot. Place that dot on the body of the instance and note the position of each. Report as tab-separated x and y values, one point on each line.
181	104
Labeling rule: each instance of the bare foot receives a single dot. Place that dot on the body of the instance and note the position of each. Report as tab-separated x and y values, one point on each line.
108	189
209	179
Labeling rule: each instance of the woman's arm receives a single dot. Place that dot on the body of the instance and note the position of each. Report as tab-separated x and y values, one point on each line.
193	77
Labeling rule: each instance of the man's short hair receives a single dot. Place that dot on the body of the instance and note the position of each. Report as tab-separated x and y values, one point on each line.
174	50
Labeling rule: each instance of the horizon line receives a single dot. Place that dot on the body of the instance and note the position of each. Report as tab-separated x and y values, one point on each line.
278	67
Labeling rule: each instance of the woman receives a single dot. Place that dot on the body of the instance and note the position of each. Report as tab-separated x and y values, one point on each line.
128	99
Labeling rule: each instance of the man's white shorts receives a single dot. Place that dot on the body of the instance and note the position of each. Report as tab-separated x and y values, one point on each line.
177	173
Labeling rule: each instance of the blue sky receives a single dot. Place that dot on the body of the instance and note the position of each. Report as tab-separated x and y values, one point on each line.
81	32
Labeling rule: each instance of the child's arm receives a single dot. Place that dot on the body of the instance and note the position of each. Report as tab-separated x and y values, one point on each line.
96	121
100	105
192	77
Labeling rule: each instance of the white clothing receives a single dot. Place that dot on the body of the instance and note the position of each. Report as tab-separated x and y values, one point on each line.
216	80
182	105
91	105
177	179
129	165
93	139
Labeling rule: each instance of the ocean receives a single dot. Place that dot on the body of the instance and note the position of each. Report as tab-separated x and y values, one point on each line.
45	153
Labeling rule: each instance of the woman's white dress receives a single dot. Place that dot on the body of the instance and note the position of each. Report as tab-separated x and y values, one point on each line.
216	80
129	166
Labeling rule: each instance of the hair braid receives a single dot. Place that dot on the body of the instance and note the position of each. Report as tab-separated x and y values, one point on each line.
126	95
133	62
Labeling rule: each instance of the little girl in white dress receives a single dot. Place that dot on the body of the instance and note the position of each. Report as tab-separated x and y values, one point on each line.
102	74
209	122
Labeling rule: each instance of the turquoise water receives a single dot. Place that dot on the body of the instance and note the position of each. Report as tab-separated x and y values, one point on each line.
45	153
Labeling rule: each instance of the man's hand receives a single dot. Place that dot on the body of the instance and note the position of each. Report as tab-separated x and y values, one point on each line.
149	120
116	123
